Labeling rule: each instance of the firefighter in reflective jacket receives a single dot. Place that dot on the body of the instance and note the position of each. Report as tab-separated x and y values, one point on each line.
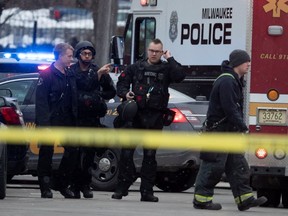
150	80
225	114
94	86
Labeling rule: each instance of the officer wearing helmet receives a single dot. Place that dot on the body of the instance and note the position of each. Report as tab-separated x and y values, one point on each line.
149	79
94	86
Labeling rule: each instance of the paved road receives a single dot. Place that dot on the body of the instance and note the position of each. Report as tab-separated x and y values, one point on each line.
24	199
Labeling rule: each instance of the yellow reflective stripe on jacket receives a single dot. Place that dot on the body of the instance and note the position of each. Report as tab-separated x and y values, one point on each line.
203	199
243	197
224	74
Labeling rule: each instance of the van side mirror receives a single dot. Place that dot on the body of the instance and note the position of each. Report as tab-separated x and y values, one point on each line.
117	50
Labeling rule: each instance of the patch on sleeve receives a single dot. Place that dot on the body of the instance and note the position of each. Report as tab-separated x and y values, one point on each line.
40	81
123	74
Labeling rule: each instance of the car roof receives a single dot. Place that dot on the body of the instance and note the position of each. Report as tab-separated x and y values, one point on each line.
21	76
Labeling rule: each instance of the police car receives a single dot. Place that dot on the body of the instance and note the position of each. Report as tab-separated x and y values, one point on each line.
177	169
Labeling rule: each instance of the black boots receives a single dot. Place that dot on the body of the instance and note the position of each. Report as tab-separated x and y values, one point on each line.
149	198
119	194
86	190
67	193
206	205
146	198
44	183
245	205
251	202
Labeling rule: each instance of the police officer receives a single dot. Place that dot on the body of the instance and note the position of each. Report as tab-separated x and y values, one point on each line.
94	86
225	114
56	105
150	79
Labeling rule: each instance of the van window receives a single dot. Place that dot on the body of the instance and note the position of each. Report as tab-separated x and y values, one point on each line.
145	28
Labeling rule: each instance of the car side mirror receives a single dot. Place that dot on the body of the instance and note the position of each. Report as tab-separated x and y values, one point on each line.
2	102
6	92
117	50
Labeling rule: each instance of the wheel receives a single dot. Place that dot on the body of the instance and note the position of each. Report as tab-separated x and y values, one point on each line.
3	171
105	170
273	196
176	181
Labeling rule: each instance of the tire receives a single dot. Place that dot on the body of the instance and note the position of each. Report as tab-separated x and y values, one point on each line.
273	197
176	181
3	171
105	170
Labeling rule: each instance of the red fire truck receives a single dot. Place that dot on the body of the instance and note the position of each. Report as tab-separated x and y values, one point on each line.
267	94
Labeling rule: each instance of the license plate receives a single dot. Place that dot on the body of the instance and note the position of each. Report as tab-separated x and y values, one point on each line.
272	116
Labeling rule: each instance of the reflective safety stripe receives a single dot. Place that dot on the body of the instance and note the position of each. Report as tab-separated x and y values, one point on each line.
243	197
224	74
203	199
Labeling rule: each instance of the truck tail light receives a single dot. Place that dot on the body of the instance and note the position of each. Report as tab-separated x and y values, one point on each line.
179	117
261	153
10	116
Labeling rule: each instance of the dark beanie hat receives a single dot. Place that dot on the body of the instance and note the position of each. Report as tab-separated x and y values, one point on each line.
238	57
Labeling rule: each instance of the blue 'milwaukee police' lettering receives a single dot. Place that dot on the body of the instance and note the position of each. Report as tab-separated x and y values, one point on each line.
217	13
209	33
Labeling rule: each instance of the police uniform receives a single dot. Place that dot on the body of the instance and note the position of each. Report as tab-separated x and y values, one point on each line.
225	114
91	96
56	105
150	85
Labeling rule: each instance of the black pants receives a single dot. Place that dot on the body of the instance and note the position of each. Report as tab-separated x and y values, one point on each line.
85	162
127	172
152	120
67	164
66	168
236	169
82	175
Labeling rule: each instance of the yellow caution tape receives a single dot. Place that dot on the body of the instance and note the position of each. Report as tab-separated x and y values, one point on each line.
151	139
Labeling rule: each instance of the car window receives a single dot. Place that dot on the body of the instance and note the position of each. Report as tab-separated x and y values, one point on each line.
19	89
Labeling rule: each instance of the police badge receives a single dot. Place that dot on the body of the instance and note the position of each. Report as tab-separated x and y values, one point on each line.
173	29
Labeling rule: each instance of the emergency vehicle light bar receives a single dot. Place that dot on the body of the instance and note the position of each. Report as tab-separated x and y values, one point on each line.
37	56
30	56
148	2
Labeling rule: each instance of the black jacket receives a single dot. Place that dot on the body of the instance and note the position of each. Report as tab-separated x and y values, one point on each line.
56	98
226	100
88	86
171	70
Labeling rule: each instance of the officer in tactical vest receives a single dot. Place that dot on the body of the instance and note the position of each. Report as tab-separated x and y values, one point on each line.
94	86
150	79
